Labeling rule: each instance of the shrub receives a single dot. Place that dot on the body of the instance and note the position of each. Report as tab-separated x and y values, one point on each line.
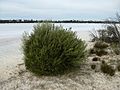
118	67
107	69
103	62
116	48
100	45
111	34
52	50
101	52
92	51
99	48
96	59
93	66
117	51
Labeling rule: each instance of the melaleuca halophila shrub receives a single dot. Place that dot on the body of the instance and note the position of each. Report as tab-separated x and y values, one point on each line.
105	68
52	50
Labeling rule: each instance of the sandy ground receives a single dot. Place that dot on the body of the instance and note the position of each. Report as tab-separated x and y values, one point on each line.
14	76
10	56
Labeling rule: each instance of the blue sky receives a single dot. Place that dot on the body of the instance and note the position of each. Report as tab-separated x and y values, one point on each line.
59	9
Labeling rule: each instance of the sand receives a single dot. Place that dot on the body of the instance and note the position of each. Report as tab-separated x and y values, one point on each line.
10	56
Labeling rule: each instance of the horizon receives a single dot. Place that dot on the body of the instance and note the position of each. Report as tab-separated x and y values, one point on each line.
59	21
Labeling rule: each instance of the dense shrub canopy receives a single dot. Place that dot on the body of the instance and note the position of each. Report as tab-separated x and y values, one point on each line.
52	50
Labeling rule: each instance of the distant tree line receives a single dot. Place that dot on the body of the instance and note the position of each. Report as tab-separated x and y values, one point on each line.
55	21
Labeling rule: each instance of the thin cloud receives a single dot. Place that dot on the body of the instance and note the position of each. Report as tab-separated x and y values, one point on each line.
62	9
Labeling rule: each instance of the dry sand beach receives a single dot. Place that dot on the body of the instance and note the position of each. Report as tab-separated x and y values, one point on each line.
14	76
10	56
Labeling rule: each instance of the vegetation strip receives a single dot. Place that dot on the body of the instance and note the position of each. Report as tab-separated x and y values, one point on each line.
58	21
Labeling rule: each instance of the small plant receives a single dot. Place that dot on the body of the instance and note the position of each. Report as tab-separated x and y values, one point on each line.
92	51
107	69
100	45
117	51
118	67
99	49
116	48
93	66
103	62
96	59
118	64
110	34
52	50
101	52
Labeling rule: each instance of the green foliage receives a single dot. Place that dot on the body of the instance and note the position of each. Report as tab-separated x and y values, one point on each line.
107	69
98	52
117	51
99	48
52	50
101	52
116	48
111	34
100	45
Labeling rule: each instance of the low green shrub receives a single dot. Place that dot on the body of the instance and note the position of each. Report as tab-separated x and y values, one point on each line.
100	45
116	48
107	69
101	52
98	51
52	50
99	48
110	34
116	51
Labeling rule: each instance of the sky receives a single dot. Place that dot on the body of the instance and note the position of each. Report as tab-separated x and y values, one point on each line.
59	9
